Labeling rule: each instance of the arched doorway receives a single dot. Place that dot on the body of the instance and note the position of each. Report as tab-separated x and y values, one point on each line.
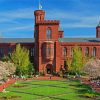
49	69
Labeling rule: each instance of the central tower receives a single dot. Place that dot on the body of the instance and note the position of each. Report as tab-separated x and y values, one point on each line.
46	40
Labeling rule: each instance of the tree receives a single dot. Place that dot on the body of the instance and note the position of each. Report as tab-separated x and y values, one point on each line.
92	68
6	69
20	57
69	61
77	60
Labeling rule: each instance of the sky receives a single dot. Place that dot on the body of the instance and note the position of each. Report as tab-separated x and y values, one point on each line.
78	18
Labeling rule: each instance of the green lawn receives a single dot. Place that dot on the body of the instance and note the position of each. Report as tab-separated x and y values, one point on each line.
47	90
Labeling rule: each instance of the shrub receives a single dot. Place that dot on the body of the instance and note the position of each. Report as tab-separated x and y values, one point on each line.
36	73
42	73
89	95
31	69
55	74
6	58
4	78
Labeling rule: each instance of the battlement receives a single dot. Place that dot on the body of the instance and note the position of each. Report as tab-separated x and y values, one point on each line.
48	22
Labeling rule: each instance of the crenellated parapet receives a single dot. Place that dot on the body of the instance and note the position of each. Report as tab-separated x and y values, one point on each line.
40	18
43	22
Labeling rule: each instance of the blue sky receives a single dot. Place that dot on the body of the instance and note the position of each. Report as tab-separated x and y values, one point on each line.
78	18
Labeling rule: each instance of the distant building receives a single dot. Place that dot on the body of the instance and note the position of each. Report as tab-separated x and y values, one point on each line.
49	50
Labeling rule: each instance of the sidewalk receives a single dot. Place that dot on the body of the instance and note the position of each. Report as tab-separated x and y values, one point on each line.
47	78
7	84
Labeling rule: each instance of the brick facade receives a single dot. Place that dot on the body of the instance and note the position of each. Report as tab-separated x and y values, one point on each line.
50	49
54	61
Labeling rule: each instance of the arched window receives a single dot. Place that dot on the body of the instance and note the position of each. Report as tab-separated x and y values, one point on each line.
49	51
31	52
64	52
80	49
52	51
1	52
87	51
10	50
94	52
48	33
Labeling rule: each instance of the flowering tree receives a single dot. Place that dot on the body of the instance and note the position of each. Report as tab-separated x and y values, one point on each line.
6	69
92	68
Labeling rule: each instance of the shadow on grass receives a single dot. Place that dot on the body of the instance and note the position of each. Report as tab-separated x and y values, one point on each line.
42	96
80	86
85	91
79	89
42	85
84	88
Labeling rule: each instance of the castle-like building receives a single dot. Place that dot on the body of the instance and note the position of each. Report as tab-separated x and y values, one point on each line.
49	49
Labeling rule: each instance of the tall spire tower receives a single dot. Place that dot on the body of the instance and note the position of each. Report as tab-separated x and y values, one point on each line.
39	14
46	39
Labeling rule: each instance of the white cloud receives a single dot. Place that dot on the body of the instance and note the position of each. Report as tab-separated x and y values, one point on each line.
16	14
10	18
73	19
15	28
68	19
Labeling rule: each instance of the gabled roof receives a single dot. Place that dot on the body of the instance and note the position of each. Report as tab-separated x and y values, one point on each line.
16	40
79	39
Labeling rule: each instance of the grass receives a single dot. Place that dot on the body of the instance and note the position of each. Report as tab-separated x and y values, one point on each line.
48	90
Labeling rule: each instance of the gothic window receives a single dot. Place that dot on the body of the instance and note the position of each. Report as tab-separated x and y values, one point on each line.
9	50
1	52
64	52
32	52
80	49
52	51
94	52
48	33
87	51
49	51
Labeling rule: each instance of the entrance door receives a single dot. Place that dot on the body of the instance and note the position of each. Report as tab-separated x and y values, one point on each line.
49	69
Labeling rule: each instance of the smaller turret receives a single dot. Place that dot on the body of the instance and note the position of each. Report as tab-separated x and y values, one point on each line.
39	15
98	30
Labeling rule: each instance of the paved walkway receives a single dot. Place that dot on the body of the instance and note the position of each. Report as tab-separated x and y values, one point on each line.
7	84
47	78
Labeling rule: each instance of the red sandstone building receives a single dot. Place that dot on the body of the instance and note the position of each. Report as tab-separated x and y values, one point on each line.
49	50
